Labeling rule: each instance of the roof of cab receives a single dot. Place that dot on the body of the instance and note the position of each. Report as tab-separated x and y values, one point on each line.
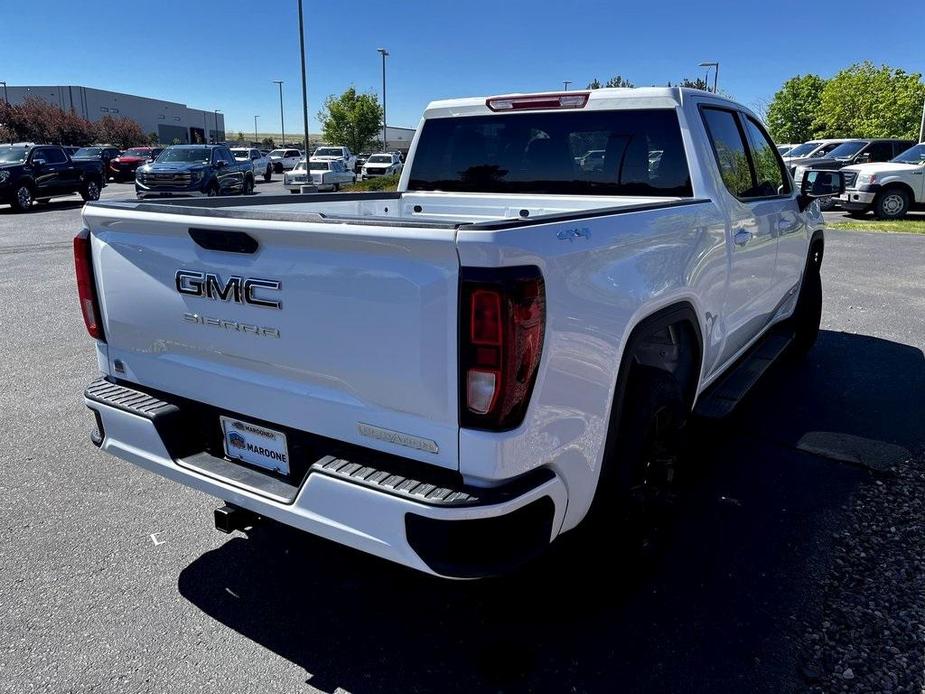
598	99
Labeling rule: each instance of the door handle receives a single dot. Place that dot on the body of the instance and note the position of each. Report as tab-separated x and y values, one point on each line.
742	237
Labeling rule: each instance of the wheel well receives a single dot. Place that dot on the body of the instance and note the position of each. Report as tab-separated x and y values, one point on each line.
905	187
670	340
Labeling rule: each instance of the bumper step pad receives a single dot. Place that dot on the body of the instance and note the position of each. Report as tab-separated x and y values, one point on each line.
385	481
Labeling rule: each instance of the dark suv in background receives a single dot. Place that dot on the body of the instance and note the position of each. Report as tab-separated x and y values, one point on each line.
854	151
194	170
101	153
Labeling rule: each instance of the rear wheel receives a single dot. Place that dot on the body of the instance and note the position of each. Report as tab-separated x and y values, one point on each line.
892	203
90	190
268	174
212	190
808	312
22	200
248	188
637	484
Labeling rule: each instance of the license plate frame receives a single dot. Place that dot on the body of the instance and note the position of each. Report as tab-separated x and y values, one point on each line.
255	444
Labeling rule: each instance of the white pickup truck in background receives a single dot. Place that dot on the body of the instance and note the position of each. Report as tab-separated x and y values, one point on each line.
889	189
261	162
452	375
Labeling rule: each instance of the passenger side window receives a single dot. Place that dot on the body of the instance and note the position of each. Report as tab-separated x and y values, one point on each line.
769	173
53	155
729	148
879	151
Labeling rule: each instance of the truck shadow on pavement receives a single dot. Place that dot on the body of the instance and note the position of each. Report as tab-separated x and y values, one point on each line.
713	608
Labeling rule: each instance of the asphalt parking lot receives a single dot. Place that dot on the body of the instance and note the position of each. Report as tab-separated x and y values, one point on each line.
114	580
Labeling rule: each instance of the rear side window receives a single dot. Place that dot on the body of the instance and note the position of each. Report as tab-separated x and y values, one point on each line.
53	155
769	174
880	151
631	152
729	148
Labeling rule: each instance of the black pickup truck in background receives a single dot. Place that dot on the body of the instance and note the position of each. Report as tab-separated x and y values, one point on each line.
30	173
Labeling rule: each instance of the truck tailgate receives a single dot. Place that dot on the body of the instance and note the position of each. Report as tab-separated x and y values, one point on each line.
362	347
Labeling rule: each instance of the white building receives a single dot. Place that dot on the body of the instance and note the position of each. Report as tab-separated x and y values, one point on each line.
171	121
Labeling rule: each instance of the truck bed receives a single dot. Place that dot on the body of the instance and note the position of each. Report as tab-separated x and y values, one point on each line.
430	210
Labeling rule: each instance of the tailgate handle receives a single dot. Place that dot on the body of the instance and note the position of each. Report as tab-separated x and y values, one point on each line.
228	241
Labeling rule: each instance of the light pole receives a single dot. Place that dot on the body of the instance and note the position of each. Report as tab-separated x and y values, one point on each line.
256	141
282	123
921	127
216	125
304	91
715	67
383	52
566	83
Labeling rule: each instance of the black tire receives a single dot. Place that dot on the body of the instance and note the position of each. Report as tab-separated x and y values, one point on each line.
90	190
213	190
636	485
336	187
248	188
22	198
808	312
268	174
277	167
857	214
892	203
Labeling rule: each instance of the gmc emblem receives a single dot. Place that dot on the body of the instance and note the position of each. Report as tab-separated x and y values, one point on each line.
241	290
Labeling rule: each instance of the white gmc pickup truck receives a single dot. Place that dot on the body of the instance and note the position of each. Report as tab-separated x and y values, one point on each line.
451	375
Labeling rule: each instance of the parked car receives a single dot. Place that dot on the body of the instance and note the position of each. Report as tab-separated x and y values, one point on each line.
284	159
122	168
382	165
70	151
850	152
259	161
331	153
889	189
785	148
101	153
30	173
192	171
450	375
324	175
810	150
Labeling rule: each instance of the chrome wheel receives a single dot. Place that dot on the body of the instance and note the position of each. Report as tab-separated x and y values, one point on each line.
93	191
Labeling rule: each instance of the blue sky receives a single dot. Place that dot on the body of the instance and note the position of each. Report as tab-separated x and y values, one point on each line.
224	53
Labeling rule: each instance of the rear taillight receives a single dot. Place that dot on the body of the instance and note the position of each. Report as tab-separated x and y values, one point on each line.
86	287
502	322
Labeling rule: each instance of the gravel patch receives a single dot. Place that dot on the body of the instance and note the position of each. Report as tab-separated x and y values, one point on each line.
868	634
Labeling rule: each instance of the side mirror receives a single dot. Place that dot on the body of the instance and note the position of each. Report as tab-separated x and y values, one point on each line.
38	162
863	159
820	184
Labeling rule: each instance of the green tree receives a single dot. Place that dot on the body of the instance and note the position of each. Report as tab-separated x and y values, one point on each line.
268	142
153	138
869	101
615	81
699	83
792	113
240	137
351	120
